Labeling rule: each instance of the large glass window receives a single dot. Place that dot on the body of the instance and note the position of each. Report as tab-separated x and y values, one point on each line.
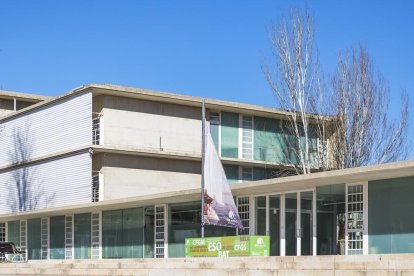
391	223
57	237
112	234
232	173
268	142
82	235
184	222
268	220
214	129
122	233
274	224
149	229
330	221
13	231
34	239
290	224
306	223
229	134
261	215
246	174
2	232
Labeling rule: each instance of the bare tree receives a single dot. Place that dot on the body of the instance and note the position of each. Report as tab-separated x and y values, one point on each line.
25	186
363	132
340	127
297	85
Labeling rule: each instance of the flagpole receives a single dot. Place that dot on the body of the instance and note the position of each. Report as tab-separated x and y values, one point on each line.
203	149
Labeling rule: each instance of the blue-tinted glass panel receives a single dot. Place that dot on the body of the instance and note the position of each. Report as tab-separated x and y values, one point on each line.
229	134
184	222
57	237
13	231
390	212
34	239
82	235
232	173
122	233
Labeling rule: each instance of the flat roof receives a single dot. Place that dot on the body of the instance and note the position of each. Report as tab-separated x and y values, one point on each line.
152	95
268	186
4	94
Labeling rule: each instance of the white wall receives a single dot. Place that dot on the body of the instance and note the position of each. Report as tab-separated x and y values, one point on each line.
57	127
59	182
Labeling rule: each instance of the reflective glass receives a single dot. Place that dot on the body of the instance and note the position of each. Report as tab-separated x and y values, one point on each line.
82	235
34	239
57	237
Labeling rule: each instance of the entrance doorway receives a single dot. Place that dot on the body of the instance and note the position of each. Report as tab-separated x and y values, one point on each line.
268	220
288	220
299	223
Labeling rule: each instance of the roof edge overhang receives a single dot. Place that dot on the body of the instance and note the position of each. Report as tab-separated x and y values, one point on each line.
146	94
269	186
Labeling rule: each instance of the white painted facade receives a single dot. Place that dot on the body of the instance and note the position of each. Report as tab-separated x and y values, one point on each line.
48	130
53	183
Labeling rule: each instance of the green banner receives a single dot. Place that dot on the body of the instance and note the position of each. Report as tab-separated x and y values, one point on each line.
233	246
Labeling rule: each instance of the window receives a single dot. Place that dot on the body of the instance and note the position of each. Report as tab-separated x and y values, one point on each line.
96	131
246	174
355	222
244	213
214	118
2	232
95	188
160	231
44	222
247	137
215	129
95	235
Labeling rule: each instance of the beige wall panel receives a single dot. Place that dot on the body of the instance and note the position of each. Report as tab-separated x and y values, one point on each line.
139	123
128	176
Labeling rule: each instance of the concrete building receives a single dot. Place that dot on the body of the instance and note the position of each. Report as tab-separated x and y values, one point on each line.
11	101
114	172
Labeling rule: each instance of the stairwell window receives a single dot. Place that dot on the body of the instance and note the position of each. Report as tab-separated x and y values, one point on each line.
95	188
247	137
96	130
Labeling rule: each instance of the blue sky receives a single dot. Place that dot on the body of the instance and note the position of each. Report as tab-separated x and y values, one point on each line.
202	48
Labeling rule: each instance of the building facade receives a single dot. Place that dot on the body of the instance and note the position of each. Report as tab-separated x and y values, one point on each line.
114	172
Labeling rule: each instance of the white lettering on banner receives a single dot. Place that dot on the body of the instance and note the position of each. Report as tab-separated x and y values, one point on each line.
240	247
214	246
199	242
224	254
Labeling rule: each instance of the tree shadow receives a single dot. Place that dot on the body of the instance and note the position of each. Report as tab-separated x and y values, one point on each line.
25	186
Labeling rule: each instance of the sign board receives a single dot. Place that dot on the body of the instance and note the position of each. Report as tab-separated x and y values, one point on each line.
232	246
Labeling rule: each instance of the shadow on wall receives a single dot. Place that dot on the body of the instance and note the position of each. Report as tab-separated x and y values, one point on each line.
25	185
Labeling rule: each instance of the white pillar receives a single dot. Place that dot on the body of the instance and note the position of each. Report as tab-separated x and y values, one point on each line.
365	218
314	228
298	226
282	226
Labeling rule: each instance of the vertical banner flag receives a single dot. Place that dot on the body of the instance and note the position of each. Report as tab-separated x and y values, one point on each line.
219	207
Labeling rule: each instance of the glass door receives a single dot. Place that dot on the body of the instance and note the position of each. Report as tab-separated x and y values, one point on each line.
291	236
268	220
274	224
306	223
299	223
